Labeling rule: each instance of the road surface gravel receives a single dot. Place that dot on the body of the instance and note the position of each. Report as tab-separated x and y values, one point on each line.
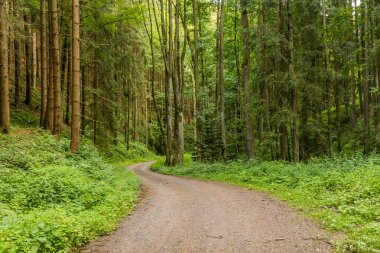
182	215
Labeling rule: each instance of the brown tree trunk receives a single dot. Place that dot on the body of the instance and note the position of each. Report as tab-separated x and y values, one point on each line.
49	119
83	102
221	81
292	84
75	121
135	119
29	61
247	90
54	29
366	81
44	68
198	133
4	82
327	81
176	83
68	88
181	143
17	56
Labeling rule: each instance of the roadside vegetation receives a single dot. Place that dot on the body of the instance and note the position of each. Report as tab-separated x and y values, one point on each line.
342	193
52	200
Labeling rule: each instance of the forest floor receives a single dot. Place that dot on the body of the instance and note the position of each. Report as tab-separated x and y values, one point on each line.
182	215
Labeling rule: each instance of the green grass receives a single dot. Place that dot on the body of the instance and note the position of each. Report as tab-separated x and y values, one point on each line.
343	194
54	201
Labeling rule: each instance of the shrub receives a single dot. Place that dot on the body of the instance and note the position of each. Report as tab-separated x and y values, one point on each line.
52	200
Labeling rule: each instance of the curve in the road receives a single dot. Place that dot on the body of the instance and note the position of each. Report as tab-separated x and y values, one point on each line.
182	215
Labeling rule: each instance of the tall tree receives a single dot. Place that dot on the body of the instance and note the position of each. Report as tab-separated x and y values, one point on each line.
44	68
56	61
221	82
247	89
198	133
292	84
28	60
75	75
4	82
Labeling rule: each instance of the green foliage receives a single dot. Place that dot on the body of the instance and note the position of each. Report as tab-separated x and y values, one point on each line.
344	194
52	200
118	153
25	117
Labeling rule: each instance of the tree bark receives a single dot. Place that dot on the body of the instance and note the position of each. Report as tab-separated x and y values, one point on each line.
221	81
75	73
366	81
292	84
83	101
28	60
198	133
44	68
247	90
54	29
4	82
17	56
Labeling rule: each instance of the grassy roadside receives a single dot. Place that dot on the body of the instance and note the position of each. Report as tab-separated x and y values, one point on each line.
343	194
53	201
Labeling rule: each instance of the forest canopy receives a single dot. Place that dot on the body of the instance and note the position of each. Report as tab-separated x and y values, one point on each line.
273	79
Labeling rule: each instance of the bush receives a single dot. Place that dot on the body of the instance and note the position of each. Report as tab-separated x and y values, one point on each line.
52	200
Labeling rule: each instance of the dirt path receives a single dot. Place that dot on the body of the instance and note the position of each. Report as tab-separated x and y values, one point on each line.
181	215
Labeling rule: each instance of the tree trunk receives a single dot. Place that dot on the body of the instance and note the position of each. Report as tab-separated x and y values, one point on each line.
75	73
181	143
247	90
4	82
83	102
221	81
292	84
327	81
44	68
29	61
366	82
17	56
54	29
198	133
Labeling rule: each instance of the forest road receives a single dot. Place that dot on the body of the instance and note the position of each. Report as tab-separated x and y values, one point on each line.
181	215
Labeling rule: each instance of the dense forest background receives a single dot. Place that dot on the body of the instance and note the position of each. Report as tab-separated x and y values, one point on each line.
279	80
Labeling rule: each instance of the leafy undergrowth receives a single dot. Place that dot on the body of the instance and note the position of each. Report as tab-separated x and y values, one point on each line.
54	201
344	194
119	154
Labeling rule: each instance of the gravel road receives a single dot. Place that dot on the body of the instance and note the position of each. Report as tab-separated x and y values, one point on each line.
182	215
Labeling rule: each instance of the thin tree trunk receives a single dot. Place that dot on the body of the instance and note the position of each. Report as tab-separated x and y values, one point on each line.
176	83
44	68
95	104
198	133
54	29
327	81
366	81
182	88
75	122
83	102
135	119
221	81
293	87
68	89
17	52
49	119
4	82
247	90
29	61
34	79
